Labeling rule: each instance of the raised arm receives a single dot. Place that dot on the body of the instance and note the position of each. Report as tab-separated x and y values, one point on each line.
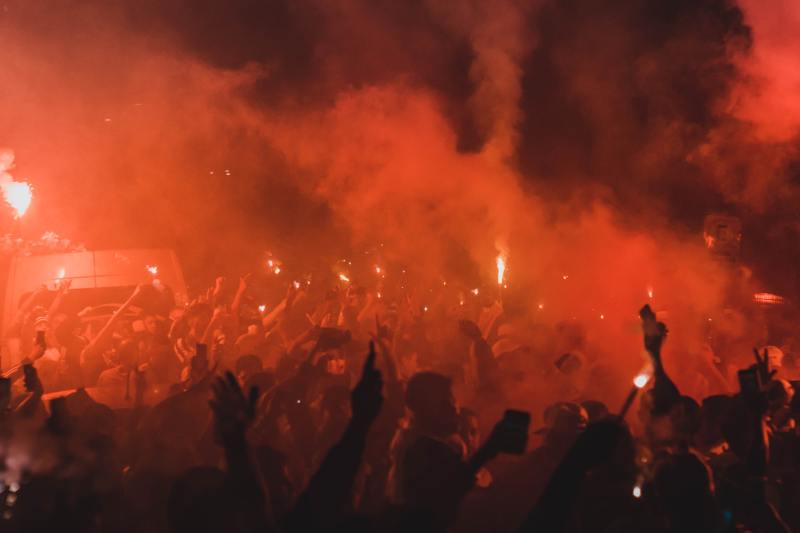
664	390
233	414
329	492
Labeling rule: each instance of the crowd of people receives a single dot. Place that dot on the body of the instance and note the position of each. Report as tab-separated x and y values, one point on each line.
345	409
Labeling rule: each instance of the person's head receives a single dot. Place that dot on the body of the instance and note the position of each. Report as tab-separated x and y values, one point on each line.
127	353
712	413
429	397
684	491
264	380
565	421
469	429
246	366
150	324
595	410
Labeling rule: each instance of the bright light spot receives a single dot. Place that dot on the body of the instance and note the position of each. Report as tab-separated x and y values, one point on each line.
444	284
564	277
296	284
153	269
602	317
277	270
637	491
18	194
343	277
378	269
262	308
541	306
461	303
501	268
650	292
767	298
380	295
641	380
475	291
270	263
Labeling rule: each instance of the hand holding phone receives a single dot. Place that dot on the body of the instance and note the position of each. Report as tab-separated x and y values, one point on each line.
654	331
512	432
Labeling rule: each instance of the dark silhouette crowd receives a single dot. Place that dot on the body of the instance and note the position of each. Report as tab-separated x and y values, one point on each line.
344	409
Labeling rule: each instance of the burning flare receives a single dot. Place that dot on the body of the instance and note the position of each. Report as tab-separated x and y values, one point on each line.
641	380
343	277
501	268
18	194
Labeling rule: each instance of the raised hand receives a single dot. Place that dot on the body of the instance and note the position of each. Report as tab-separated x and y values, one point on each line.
233	411
244	282
765	375
470	329
31	379
367	397
654	332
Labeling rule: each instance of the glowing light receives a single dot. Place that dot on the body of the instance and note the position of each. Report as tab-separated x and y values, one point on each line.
602	317
18	194
475	291
541	306
650	292
501	268
153	269
296	284
380	295
270	263
343	277
277	270
262	308
378	270
637	491
565	277
641	380
425	308
767	298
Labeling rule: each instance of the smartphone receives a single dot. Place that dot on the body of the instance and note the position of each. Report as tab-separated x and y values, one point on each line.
40	339
749	382
515	425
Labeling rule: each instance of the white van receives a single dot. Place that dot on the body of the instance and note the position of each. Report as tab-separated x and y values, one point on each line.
97	278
